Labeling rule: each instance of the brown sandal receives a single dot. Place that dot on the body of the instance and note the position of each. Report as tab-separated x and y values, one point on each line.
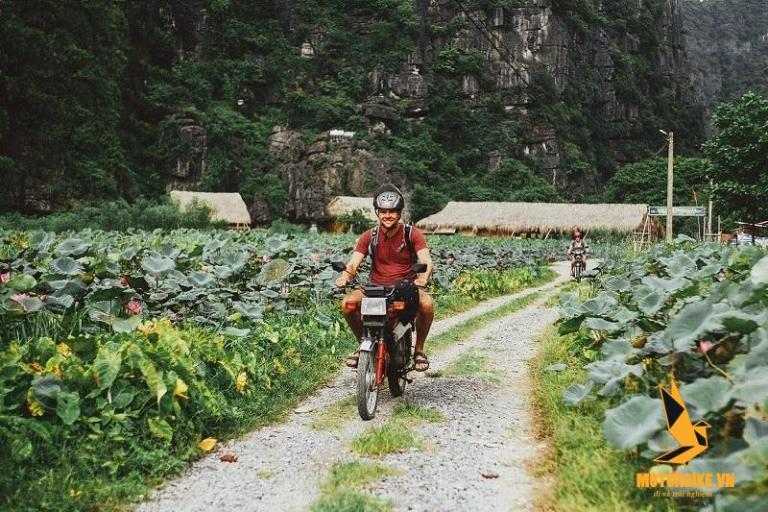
420	359
352	359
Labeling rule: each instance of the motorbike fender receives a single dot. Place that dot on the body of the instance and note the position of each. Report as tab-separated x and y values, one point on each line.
366	345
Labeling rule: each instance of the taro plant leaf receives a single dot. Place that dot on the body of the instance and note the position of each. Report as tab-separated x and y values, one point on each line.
64	302
153	378
616	350
731	503
692	321
157	265
276	271
662	442
612	374
617	284
759	273
107	365
633	422
201	279
122	394
252	311
752	387
102	311
710	465
72	247
754	429
275	245
570	325
234	332
45	389
754	456
68	407
160	428
707	395
577	393
67	266
602	305
270	294
26	305
21	282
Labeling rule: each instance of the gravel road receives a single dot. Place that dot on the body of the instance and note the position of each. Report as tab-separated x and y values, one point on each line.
487	429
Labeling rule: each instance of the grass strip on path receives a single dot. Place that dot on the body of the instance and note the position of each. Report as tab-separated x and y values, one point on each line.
588	473
341	491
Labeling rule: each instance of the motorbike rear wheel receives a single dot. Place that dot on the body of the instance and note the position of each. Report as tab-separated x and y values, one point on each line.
367	390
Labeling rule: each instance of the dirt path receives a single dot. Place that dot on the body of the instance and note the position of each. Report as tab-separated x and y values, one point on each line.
487	428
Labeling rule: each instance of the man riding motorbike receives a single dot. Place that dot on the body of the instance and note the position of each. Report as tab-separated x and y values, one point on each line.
577	243
395	248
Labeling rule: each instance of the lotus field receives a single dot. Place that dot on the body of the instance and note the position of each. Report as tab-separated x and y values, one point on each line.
122	355
700	313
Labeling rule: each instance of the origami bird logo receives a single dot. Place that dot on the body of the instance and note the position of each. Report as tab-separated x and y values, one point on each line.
692	437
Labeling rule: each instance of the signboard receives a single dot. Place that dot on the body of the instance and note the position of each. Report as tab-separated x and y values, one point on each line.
678	211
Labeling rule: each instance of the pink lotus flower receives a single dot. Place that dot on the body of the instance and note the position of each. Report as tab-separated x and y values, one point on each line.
705	346
314	257
5	277
133	307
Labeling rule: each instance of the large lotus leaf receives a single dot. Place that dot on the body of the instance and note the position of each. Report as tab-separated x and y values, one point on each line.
122	394
741	472
212	246
21	282
270	294
731	503
602	305
617	284
129	253
623	315
252	311
694	320
276	245
570	325
612	374
103	311
72	247
71	287
201	279
651	302
56	303
189	296
68	407
125	324
41	240
157	265
169	251
679	264
236	261
707	395
633	422
616	350
276	271
25	305
577	393
599	324
666	286
222	271
755	429
752	387
662	442
759	273
739	321
328	274
67	266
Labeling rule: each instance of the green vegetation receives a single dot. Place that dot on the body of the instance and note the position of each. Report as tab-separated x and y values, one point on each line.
407	410
473	364
692	313
589	474
392	437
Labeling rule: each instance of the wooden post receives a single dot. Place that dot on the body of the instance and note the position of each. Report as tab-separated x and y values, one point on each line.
670	182
719	233
709	213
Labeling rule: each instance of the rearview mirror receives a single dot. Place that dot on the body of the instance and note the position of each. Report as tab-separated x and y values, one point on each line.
420	268
338	266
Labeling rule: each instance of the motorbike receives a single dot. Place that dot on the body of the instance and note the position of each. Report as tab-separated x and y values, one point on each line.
578	263
388	316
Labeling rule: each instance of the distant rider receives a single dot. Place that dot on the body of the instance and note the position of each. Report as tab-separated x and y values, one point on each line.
577	243
393	263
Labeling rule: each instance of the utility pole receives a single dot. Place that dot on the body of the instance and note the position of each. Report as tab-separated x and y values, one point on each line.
709	212
670	181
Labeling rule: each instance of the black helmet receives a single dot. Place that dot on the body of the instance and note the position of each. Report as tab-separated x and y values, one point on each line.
388	198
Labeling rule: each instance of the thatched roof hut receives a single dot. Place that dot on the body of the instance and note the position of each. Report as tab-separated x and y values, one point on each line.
225	206
535	219
344	205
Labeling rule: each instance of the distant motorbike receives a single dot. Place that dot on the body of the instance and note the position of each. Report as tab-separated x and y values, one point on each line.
578	263
388	315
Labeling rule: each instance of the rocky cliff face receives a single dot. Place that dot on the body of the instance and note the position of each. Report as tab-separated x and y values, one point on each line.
727	45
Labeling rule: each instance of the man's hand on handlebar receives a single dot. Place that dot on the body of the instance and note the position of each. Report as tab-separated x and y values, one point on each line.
420	282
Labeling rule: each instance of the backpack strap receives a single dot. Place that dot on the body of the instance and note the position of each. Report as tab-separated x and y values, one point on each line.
409	243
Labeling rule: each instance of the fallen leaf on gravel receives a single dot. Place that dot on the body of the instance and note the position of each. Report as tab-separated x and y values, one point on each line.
228	457
303	410
489	474
207	444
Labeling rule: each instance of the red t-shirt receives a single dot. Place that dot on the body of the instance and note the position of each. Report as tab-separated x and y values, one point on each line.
393	259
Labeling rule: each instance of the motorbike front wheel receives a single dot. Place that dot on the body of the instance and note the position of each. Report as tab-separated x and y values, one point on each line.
577	272
367	390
